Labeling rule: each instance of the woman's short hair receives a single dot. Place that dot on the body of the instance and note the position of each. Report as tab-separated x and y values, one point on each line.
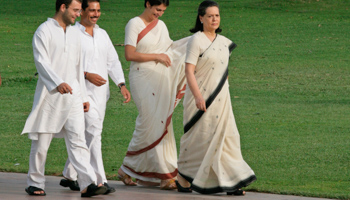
201	12
157	2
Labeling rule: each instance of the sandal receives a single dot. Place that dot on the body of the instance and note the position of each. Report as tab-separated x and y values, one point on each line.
126	179
238	192
73	185
31	191
93	190
146	183
170	185
109	189
183	189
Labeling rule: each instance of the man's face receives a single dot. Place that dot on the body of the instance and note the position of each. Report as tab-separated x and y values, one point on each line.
72	12
91	14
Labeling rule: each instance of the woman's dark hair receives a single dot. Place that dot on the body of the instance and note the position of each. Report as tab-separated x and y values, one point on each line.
201	12
157	2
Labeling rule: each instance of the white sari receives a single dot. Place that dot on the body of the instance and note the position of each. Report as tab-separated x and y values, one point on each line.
210	154
156	90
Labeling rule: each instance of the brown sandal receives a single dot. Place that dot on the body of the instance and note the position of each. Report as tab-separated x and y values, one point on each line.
170	185
126	179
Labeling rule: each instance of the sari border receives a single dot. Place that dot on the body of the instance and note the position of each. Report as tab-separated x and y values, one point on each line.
170	175
211	98
208	46
239	185
148	28
208	102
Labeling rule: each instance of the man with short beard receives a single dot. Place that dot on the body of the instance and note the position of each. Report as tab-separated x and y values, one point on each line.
100	61
60	100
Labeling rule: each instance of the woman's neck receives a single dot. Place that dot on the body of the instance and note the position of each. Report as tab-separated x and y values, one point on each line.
146	18
210	34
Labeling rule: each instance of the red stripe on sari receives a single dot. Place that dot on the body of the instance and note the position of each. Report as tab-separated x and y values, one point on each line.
134	153
155	174
144	32
179	96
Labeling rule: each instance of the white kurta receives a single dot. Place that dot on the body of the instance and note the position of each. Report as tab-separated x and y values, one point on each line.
57	59
56	63
99	57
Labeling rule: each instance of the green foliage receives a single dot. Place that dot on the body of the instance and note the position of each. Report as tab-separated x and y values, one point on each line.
289	81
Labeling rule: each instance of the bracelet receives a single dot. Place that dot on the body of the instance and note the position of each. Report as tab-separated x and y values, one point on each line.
85	73
121	85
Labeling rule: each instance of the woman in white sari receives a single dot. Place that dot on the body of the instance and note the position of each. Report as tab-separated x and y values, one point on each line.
210	159
157	82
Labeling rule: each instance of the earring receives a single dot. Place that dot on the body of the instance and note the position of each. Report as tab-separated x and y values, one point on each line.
201	22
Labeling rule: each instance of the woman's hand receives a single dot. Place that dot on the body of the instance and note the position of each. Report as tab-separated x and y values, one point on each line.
200	103
164	59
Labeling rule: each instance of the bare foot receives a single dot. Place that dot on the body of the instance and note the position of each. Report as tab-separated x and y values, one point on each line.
39	192
183	182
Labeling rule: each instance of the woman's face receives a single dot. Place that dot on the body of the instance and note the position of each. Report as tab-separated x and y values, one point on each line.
211	19
155	11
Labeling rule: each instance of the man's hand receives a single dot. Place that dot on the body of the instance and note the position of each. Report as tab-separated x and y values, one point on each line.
64	88
86	106
95	79
126	94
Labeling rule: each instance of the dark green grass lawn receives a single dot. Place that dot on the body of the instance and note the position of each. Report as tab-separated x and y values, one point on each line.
289	81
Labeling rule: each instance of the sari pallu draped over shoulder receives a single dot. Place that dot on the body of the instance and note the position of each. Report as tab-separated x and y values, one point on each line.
210	155
156	90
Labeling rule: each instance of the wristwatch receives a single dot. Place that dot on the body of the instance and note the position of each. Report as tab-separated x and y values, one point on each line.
121	85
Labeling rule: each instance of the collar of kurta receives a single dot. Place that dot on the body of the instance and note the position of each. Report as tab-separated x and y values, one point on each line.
82	28
56	22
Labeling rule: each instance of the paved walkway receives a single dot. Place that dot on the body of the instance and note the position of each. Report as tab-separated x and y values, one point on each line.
12	188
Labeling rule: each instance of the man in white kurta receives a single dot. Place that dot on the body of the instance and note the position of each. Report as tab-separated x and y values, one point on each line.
58	102
100	59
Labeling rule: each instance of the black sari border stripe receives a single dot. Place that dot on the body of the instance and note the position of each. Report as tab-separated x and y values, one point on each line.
209	101
241	184
232	47
211	98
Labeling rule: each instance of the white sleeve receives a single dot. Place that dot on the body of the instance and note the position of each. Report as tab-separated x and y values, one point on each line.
114	67
131	33
193	50
42	61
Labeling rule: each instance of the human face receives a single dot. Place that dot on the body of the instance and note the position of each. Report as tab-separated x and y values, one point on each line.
211	19
155	11
72	12
91	14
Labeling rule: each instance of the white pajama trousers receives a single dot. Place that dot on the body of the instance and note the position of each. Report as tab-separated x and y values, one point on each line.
93	141
78	153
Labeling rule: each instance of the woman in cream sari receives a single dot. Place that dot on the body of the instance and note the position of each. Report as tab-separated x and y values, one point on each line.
157	84
210	159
